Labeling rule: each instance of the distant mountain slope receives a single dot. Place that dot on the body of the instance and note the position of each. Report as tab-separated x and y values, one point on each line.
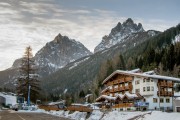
53	56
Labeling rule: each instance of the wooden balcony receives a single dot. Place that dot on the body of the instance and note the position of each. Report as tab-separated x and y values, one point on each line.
116	82
122	88
121	80
80	108
127	87
50	107
128	79
170	93
116	89
163	84
165	93
170	84
106	93
111	90
123	105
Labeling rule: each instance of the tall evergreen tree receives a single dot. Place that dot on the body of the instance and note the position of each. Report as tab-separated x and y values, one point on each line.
28	78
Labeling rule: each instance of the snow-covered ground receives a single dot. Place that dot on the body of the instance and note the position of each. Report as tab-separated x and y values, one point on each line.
158	115
112	115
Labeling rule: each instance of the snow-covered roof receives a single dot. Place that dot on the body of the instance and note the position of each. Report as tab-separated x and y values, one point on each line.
121	96
150	72
130	96
135	70
105	97
107	88
141	75
55	103
88	95
79	104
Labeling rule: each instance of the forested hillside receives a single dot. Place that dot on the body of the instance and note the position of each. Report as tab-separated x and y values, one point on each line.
161	51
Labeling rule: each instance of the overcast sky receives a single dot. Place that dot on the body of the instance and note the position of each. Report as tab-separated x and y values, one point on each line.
36	22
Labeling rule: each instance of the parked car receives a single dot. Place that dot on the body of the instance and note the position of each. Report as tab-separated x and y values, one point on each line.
15	107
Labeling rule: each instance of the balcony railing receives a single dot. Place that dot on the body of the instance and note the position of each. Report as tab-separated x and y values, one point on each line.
163	84
165	93
170	84
106	93
123	105
126	87
115	81
166	84
128	79
116	89
110	83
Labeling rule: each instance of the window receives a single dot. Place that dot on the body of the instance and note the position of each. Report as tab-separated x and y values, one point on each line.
137	90
116	86
161	100
167	100
151	80
137	82
144	80
147	80
154	100
152	88
148	88
144	88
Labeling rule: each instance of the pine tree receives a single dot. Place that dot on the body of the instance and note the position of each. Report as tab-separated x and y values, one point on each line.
81	94
28	77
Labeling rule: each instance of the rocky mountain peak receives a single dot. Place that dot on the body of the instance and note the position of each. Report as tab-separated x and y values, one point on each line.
58	38
59	52
119	33
129	21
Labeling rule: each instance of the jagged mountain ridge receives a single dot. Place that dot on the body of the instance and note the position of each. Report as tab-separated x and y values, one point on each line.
119	34
59	52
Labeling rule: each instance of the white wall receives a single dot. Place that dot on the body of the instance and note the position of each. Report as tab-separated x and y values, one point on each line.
149	95
9	99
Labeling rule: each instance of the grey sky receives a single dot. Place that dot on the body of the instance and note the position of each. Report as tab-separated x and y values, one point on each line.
36	22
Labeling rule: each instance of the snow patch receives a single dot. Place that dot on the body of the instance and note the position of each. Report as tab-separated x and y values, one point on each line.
77	63
176	39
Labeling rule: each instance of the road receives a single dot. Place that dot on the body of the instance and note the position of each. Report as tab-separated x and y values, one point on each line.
11	115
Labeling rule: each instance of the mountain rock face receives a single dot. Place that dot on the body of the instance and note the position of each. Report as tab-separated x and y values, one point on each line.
59	52
119	34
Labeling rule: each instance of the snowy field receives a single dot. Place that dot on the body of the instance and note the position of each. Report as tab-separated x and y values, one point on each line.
113	115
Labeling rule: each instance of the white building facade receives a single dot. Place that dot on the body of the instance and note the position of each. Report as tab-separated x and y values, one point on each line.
157	91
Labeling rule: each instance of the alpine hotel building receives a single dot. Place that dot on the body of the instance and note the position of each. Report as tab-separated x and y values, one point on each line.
135	90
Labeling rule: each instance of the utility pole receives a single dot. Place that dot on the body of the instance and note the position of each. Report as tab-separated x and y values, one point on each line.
28	102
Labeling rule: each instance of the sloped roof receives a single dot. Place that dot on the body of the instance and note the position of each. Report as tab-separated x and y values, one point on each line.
105	97
106	89
146	75
121	96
